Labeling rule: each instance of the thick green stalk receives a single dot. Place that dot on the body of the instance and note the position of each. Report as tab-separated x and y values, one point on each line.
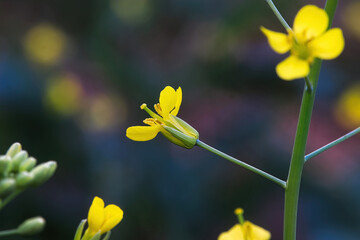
242	164
333	143
297	158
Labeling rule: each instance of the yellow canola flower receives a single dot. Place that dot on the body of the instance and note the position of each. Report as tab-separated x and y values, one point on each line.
102	219
247	231
308	40
165	121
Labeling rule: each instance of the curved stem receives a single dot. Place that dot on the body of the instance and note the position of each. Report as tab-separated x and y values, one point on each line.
9	198
278	15
8	232
333	143
242	164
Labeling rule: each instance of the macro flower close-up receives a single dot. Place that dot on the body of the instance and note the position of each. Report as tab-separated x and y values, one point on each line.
309	39
102	219
165	121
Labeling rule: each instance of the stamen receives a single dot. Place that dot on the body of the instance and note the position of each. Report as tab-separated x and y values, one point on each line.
158	109
151	113
152	121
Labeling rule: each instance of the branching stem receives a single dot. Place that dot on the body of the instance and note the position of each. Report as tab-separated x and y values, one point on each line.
242	164
333	143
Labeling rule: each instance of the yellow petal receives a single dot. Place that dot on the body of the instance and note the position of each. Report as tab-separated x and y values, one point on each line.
178	101
167	100
279	42
113	215
142	133
329	45
255	232
292	68
311	21
235	233
96	215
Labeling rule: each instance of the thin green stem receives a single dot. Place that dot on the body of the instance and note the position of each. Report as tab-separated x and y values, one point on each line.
297	158
242	164
278	15
8	232
9	198
333	143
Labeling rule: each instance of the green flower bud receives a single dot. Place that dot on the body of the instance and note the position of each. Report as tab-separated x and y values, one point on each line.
14	149
43	172
27	164
6	186
24	179
31	226
5	165
18	159
179	138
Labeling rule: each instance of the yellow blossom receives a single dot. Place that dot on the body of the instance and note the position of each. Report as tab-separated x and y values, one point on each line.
309	39
165	121
102	219
247	231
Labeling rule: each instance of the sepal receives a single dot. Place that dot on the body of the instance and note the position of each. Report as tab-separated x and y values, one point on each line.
79	230
180	138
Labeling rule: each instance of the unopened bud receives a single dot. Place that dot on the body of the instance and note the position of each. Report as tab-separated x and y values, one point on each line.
27	164
14	149
18	159
6	186
24	179
5	165
31	226
43	172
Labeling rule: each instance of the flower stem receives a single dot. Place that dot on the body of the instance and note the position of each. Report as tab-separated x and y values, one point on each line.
278	15
297	158
242	164
8	232
9	198
333	143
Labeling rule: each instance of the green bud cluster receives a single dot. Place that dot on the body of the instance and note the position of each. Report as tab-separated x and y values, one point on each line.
18	171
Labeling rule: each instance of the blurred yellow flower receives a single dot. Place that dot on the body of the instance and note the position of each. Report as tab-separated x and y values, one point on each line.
64	94
100	219
351	18
347	109
44	44
247	231
132	11
309	39
166	122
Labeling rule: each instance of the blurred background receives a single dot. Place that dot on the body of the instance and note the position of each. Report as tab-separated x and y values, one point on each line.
74	73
